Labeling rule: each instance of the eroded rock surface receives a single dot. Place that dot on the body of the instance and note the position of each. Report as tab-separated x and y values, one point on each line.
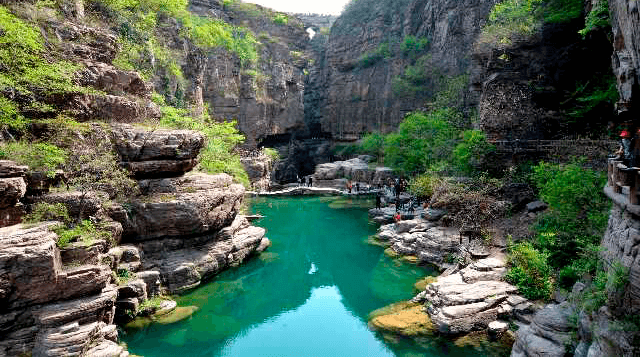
183	206
472	298
48	309
184	263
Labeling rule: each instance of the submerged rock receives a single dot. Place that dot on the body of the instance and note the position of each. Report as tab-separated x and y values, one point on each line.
404	318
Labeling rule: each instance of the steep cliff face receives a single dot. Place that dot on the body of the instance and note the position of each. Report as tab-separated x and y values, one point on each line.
266	100
625	23
364	56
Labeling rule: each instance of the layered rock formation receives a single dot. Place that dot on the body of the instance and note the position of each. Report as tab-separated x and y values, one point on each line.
48	307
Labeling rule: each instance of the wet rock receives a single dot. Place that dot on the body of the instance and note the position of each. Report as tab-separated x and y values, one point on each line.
403	319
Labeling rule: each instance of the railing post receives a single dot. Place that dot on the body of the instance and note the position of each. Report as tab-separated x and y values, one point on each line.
617	187
610	180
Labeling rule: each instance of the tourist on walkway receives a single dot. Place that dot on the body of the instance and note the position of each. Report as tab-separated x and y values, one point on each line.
310	181
378	201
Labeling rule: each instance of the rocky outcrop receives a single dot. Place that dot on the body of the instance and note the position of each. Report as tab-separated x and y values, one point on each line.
522	86
356	169
12	188
258	168
625	25
549	334
472	298
47	307
431	244
621	243
184	263
183	206
156	153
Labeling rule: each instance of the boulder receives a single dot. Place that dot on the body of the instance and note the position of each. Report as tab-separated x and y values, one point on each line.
12	189
470	299
536	206
114	81
548	334
152	280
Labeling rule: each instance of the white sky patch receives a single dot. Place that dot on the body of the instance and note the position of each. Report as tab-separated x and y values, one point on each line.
333	7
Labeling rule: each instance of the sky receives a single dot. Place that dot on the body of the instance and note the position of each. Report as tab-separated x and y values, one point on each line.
333	7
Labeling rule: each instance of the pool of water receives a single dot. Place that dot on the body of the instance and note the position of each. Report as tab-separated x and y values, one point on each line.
309	294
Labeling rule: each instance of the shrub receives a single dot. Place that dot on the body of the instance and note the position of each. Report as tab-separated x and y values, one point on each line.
424	185
421	141
217	155
511	18
84	232
272	153
281	19
43	211
597	18
412	45
38	156
469	154
368	59
577	217
529	271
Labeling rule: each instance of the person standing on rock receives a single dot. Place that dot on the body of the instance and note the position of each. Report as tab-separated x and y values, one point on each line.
357	187
378	201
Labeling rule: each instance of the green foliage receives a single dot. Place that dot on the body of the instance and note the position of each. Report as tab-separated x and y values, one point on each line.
38	156
512	18
414	80
470	152
597	18
272	153
598	91
373	144
424	185
25	70
451	91
43	211
370	58
529	271
421	141
84	232
569	232
153	303
281	19
412	46
222	138
123	276
611	281
209	33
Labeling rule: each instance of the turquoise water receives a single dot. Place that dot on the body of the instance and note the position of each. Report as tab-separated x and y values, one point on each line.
309	294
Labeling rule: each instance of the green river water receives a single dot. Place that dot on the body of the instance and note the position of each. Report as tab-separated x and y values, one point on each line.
309	294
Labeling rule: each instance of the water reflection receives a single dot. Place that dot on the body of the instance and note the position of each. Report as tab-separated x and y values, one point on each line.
309	294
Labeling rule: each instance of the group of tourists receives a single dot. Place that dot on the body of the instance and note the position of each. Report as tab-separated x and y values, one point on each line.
305	181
